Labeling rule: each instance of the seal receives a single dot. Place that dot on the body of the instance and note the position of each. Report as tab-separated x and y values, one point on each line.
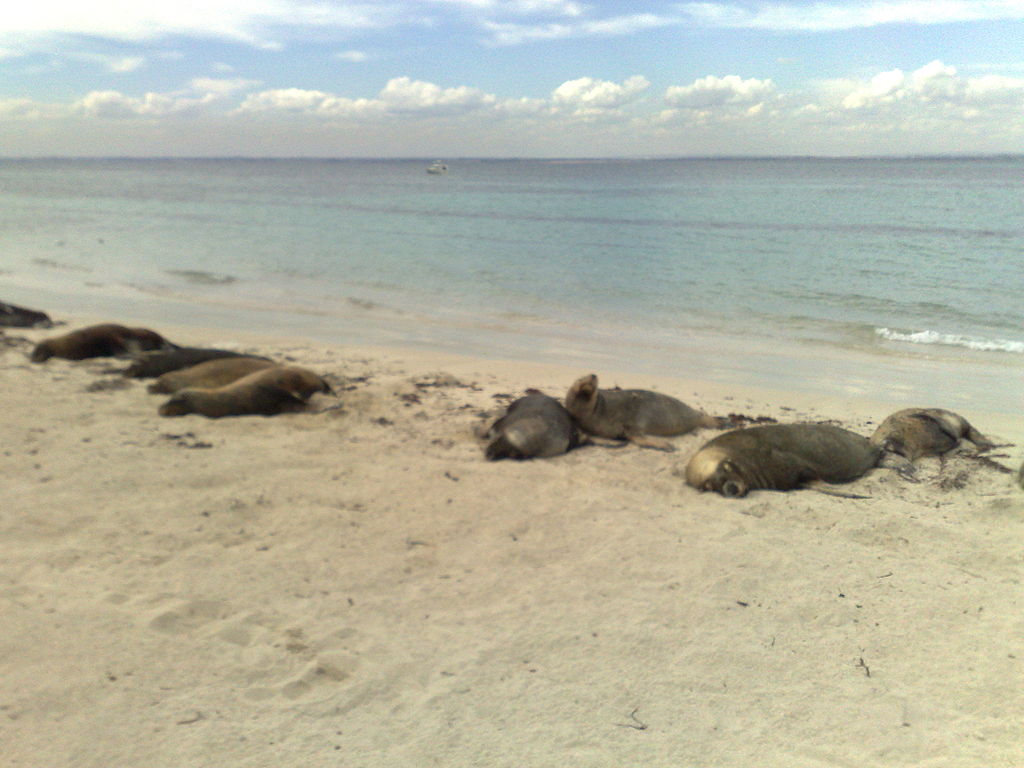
13	316
534	427
917	432
104	340
265	392
149	365
780	457
210	374
633	414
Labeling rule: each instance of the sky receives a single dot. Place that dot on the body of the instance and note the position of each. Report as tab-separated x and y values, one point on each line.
510	78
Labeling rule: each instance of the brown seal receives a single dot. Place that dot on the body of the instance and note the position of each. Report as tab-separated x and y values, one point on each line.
534	426
149	365
917	432
632	414
780	457
104	340
210	374
265	393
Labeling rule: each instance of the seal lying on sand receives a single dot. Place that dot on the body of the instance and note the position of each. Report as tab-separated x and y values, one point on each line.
209	375
534	426
917	432
631	414
780	457
104	340
148	365
264	393
13	316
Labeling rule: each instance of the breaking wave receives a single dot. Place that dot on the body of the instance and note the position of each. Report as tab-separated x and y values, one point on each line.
952	340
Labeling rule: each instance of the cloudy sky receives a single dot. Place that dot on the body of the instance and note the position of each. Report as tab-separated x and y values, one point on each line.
567	78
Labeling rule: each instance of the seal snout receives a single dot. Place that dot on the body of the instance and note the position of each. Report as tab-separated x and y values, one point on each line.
733	489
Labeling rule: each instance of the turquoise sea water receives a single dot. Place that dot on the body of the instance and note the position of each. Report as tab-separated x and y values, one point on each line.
893	278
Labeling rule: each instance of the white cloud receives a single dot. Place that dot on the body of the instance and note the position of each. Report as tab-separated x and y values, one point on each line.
256	22
714	91
935	86
356	57
507	33
221	86
113	104
586	94
546	7
401	96
832	16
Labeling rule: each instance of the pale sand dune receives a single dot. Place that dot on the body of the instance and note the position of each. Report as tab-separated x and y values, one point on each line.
358	587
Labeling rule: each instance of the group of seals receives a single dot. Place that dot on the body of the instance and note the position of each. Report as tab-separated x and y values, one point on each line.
210	382
538	426
273	389
106	340
769	457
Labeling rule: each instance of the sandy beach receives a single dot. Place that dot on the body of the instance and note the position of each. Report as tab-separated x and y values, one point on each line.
356	586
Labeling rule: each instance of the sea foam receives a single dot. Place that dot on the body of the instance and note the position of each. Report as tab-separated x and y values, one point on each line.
952	340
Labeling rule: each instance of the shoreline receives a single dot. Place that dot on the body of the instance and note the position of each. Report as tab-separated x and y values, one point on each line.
357	583
955	379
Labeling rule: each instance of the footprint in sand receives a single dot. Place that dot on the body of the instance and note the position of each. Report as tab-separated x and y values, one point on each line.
189	615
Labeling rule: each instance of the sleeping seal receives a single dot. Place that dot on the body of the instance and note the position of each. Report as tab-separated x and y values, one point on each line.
779	457
209	375
534	426
630	414
104	340
13	316
917	432
263	393
148	365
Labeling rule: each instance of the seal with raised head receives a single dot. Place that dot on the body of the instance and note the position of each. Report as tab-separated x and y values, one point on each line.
779	457
106	340
633	414
149	365
210	374
265	392
917	432
534	427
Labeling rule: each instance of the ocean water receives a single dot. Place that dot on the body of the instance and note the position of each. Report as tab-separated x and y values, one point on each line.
900	279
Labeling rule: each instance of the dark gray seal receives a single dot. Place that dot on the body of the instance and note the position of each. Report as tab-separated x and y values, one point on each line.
13	316
917	432
632	414
263	393
534	427
780	457
106	340
149	365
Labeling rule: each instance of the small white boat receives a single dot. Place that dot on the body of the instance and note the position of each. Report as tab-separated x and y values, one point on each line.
437	167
